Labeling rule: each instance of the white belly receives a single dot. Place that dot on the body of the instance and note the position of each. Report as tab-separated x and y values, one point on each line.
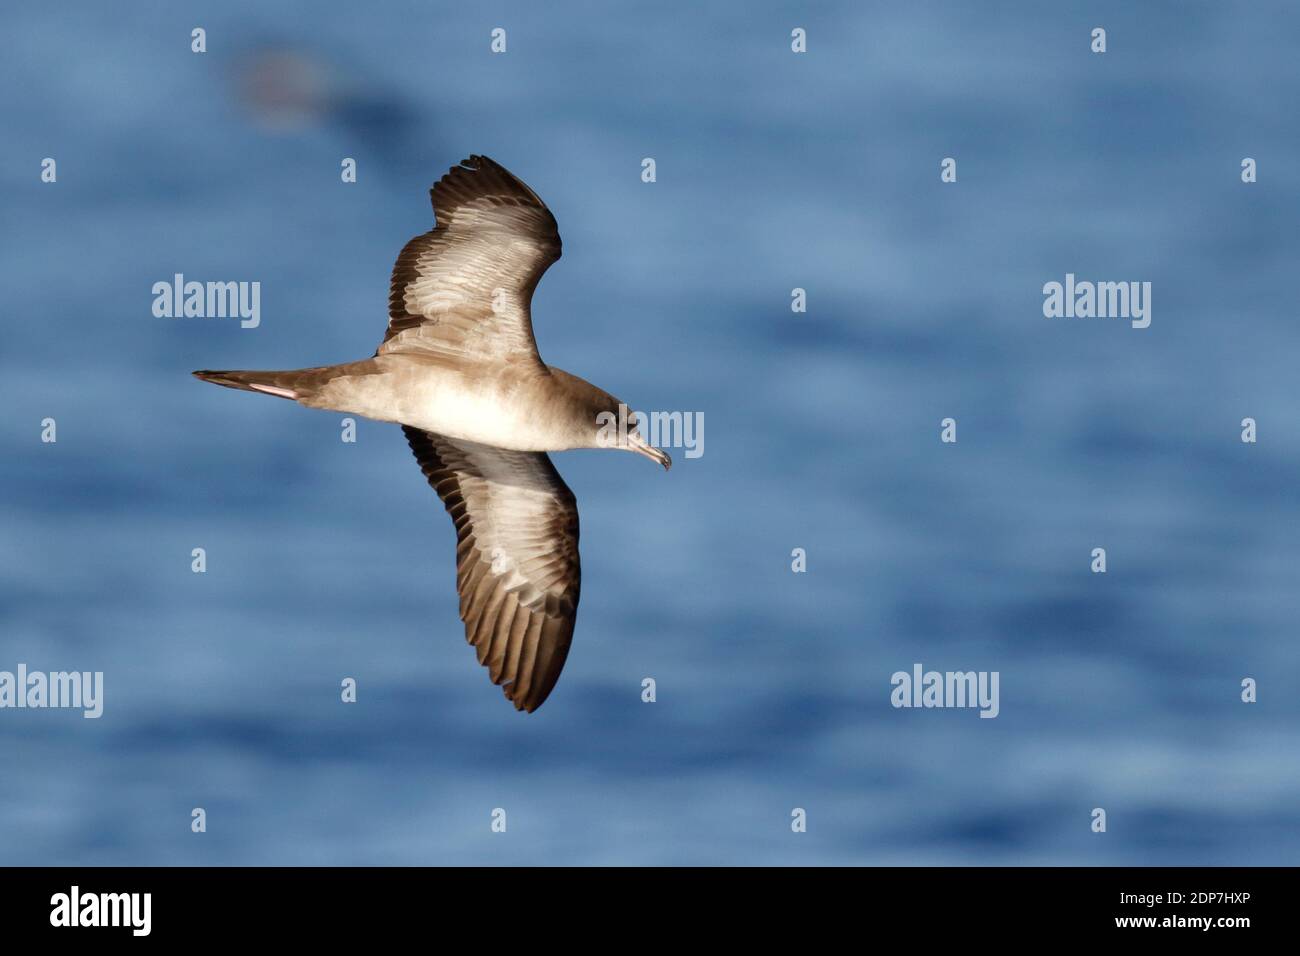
439	399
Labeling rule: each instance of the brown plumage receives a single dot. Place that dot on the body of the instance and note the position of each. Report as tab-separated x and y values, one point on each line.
458	368
296	384
466	285
517	568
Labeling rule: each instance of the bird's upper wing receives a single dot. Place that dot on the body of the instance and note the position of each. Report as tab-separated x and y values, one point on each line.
465	288
517	565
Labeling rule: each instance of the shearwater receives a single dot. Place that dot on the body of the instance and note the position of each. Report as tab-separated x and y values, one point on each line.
459	370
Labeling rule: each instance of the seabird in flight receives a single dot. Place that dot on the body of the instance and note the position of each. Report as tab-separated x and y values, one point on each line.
459	370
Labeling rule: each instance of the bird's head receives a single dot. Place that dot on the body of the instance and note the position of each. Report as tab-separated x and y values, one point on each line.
618	426
609	422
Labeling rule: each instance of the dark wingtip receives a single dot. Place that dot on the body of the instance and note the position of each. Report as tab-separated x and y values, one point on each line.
524	703
520	702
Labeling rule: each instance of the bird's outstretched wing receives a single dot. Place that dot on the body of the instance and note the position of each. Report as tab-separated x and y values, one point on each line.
465	288
517	567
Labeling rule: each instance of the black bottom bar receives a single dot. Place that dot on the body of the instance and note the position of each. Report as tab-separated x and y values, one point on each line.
331	905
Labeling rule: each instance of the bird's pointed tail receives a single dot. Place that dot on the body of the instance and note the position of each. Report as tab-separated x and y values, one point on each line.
290	385
307	386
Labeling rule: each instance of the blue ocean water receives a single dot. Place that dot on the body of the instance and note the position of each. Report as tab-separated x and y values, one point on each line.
774	171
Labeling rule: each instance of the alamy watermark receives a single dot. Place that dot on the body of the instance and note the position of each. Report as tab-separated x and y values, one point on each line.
75	908
662	429
208	300
922	688
1102	300
80	690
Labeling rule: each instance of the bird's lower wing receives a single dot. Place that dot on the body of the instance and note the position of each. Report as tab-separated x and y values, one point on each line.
517	568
